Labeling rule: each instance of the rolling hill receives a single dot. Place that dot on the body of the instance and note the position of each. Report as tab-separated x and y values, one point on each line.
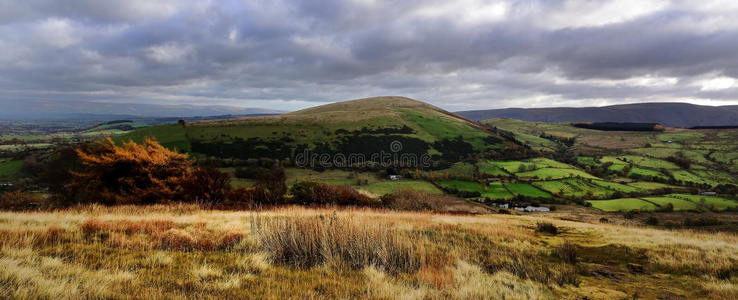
364	126
667	114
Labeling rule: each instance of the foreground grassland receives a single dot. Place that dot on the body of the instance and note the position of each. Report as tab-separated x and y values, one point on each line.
180	252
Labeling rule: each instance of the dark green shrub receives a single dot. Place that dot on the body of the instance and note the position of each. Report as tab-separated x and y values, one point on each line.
310	192
547	227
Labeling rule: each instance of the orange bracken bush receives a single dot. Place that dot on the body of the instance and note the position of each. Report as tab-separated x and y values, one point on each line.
132	173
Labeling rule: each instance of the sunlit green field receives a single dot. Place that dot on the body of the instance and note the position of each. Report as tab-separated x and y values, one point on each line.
572	187
387	187
527	189
625	204
9	169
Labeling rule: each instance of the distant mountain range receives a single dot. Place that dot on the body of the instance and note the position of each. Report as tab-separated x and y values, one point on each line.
667	114
15	109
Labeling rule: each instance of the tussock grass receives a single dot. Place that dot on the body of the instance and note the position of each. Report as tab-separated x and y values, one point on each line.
547	227
567	252
468	281
25	275
533	266
335	241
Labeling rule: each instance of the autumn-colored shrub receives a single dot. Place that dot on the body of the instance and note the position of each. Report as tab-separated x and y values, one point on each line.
206	185
149	173
271	186
241	197
132	173
20	200
407	199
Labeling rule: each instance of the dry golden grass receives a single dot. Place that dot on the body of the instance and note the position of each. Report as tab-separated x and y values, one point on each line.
338	242
292	252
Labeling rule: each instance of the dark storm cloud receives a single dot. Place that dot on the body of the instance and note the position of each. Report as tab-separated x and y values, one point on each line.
293	54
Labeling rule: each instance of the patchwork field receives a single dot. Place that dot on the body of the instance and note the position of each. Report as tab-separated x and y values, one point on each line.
647	185
710	152
494	190
647	172
552	173
526	189
680	202
720	203
616	186
641	161
625	204
573	187
386	187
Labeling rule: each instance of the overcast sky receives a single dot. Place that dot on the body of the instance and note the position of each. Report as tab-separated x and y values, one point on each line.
459	55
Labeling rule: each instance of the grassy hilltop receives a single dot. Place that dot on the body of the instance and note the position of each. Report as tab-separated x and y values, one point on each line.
358	126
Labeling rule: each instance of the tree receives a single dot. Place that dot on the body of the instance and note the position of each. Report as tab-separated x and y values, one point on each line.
206	185
565	154
303	192
271	186
56	175
132	173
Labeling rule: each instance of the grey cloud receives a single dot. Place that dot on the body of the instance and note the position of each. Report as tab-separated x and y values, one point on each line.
322	51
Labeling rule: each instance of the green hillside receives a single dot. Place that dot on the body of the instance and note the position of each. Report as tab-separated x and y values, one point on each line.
364	126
